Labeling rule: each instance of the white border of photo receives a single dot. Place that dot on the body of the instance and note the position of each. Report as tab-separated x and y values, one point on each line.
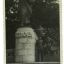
2	32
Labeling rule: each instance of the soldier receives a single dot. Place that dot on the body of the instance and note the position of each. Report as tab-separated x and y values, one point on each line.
41	44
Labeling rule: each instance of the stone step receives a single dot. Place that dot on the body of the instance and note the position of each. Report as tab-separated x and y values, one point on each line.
37	63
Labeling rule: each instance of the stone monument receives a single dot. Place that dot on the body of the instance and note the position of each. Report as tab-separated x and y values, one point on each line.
25	45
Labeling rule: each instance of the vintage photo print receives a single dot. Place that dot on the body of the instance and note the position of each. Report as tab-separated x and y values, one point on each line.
32	31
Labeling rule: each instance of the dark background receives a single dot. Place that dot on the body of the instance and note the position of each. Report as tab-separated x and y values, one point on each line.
43	13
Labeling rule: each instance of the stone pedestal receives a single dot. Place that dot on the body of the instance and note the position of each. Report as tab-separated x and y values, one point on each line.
25	45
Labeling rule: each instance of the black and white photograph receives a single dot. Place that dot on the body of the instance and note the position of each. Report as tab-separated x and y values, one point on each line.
32	31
